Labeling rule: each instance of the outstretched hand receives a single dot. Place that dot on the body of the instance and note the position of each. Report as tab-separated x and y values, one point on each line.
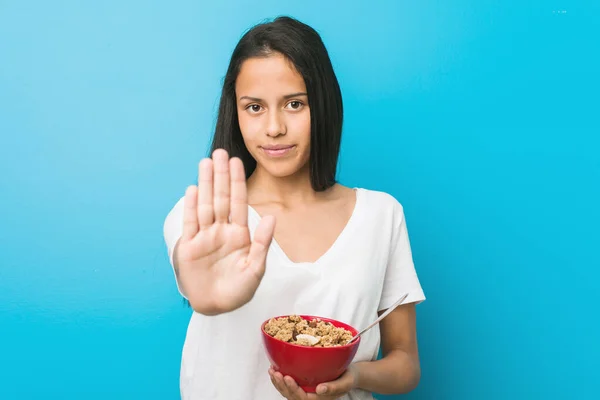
219	267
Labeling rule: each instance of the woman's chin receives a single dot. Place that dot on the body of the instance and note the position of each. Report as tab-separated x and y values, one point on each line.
284	169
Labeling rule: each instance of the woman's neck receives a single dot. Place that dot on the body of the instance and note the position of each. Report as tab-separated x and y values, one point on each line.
288	192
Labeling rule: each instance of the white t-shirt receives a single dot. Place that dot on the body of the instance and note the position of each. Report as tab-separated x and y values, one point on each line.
366	270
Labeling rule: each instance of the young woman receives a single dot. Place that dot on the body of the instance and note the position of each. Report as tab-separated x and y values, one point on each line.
267	231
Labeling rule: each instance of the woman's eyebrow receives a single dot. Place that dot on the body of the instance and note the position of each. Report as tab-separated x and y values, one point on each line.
287	96
297	94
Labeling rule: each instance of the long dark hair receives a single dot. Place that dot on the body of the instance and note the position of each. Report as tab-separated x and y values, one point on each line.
303	46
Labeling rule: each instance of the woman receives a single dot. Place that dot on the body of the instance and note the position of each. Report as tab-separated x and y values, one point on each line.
268	231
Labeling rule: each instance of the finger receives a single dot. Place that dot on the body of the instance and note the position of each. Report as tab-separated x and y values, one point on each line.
338	387
279	384
324	389
221	185
329	390
239	196
295	390
276	385
260	245
206	215
190	217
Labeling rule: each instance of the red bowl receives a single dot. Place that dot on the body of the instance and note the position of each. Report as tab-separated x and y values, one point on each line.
310	366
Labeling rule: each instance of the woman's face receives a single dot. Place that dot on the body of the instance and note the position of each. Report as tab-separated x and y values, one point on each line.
273	114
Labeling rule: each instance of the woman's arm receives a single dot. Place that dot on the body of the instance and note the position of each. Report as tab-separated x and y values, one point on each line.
398	371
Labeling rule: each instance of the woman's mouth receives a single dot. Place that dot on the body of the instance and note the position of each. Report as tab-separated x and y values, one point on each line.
277	150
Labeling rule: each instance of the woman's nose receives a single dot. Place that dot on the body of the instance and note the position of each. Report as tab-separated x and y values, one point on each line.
275	124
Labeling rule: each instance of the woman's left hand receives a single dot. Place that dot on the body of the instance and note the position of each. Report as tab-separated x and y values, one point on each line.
325	391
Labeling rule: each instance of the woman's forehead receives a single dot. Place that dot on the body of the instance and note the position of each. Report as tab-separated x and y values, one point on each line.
272	75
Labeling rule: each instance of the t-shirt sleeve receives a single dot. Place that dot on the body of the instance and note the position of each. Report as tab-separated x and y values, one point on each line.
172	229
400	276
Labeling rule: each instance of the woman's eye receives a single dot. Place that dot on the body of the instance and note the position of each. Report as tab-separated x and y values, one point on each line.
254	108
295	105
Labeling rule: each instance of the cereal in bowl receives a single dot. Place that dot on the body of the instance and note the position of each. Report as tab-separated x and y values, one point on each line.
316	333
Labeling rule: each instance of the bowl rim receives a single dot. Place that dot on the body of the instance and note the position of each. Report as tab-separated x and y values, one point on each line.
305	316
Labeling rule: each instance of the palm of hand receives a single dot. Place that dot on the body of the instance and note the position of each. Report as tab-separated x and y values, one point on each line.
219	266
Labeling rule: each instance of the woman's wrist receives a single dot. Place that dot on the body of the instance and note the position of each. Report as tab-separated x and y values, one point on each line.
395	374
355	371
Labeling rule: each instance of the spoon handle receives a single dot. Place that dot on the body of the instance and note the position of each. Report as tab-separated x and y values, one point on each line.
389	310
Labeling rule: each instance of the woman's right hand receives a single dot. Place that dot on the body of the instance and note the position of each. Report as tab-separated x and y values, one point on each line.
219	268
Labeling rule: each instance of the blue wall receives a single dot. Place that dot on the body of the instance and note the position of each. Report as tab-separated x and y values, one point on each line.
477	115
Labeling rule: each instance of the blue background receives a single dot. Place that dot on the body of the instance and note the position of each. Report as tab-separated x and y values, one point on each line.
481	117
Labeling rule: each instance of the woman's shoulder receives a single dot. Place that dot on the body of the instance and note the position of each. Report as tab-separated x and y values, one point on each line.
380	200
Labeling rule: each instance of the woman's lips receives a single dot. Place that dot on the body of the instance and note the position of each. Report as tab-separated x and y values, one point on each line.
277	151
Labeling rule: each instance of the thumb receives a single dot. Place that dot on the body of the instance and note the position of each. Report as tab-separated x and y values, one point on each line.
260	245
338	387
330	389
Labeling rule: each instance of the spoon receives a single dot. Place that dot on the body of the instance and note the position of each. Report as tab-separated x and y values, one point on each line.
314	340
389	310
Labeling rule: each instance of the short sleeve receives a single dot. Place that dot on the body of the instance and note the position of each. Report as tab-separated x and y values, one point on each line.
400	276
172	229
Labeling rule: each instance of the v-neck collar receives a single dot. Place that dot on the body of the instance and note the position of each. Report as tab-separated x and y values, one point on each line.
338	241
